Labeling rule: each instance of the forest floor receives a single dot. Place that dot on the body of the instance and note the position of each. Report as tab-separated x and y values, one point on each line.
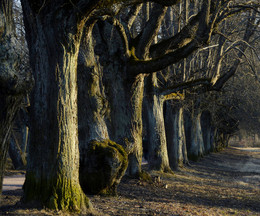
224	183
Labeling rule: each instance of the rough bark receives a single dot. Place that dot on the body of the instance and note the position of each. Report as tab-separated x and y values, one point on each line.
124	92
126	115
175	134
92	104
53	35
196	148
106	165
157	146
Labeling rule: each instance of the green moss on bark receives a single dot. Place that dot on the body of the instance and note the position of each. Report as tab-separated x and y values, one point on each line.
55	193
103	168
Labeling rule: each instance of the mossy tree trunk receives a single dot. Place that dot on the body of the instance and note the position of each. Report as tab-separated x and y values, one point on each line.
92	103
125	93
175	134
53	33
122	90
14	82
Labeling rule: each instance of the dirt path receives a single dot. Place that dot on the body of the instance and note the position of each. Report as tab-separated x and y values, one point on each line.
225	183
13	182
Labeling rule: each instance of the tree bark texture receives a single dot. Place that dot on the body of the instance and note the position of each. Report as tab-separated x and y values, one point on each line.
92	102
157	146
53	35
196	149
175	134
124	91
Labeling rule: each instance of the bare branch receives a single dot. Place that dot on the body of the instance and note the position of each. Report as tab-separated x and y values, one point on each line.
121	30
132	15
149	32
205	82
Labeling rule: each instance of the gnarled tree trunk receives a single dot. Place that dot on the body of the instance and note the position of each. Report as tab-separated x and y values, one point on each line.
53	34
124	91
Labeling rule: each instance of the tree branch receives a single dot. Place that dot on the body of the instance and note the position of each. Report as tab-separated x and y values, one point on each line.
205	82
177	41
132	15
146	37
137	66
121	30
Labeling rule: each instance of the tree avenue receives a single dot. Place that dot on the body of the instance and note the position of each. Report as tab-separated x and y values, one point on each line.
53	33
92	62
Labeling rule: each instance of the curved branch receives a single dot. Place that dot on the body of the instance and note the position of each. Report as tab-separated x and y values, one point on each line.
149	32
132	15
137	66
205	82
179	40
224	78
123	34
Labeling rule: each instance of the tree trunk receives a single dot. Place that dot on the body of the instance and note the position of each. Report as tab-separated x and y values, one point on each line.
126	98
157	146
206	131
92	103
52	176
124	91
196	149
18	139
175	134
213	138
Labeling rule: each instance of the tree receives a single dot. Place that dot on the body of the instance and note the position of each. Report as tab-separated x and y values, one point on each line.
14	81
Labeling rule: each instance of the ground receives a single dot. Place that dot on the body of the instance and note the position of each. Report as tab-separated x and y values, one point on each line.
224	183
